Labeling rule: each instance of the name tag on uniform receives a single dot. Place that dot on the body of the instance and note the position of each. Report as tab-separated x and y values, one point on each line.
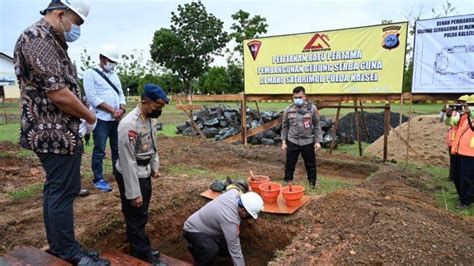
472	142
306	124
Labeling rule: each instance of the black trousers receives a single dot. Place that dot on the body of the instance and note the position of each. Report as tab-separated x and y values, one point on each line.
456	173
309	156
450	164
466	182
136	218
205	249
62	185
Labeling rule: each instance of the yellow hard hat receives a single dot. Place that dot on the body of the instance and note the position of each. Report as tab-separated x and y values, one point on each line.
470	99
463	98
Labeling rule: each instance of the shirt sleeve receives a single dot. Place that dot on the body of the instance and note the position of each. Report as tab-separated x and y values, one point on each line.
318	132
45	63
285	126
128	163
231	234
155	160
90	89
120	89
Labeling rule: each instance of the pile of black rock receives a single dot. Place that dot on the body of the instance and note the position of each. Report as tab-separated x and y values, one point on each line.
373	123
222	122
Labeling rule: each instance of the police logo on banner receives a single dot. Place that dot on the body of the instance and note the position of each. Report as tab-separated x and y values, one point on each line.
254	47
391	37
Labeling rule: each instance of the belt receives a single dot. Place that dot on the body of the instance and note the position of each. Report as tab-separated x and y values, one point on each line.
143	162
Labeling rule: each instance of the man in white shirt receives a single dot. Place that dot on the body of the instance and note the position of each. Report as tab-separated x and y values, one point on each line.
104	93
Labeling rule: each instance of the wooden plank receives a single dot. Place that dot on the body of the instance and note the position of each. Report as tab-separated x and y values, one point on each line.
255	131
120	259
32	256
188	107
212	98
279	207
336	126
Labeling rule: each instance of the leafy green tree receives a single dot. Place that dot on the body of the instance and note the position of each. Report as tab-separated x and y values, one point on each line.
188	47
245	27
236	78
216	81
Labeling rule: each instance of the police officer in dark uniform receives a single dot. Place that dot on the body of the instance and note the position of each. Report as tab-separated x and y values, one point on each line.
301	133
138	162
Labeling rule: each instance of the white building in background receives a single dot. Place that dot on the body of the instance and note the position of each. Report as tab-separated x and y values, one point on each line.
8	84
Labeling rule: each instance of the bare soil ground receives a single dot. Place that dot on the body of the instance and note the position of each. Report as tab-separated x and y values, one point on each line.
389	218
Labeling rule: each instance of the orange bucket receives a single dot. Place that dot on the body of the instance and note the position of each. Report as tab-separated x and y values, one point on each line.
259	179
293	197
269	191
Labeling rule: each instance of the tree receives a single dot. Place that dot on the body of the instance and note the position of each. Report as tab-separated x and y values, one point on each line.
236	78
245	28
188	46
216	81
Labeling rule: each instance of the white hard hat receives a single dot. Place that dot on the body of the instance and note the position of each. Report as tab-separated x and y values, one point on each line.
111	54
253	203
80	7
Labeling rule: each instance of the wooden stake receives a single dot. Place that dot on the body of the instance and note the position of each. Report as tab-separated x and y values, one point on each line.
356	115
244	120
336	126
401	114
386	129
193	125
258	110
5	110
363	120
409	128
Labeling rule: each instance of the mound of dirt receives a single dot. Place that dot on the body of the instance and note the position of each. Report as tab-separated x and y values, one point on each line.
387	220
427	142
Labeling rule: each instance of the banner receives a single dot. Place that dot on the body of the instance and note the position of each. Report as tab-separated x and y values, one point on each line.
444	55
366	60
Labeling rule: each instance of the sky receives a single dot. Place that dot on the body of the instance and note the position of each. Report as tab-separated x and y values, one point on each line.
130	25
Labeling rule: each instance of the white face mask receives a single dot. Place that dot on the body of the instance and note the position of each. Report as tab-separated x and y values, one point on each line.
110	66
73	34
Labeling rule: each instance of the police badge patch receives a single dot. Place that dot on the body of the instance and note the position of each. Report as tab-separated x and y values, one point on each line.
132	135
391	37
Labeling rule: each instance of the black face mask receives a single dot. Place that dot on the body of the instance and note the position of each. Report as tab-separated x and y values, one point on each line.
155	113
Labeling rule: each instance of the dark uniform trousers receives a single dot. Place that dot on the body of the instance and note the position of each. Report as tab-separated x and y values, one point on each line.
463	174
136	218
62	185
309	157
205	249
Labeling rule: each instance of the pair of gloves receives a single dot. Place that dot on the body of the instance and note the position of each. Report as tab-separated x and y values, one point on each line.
220	186
86	128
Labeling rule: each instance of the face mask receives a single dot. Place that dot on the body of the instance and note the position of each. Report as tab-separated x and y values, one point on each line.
155	113
110	66
298	102
73	34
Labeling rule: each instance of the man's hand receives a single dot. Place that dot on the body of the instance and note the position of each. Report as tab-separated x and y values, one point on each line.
137	202
466	108
156	174
317	146
283	146
449	112
118	114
